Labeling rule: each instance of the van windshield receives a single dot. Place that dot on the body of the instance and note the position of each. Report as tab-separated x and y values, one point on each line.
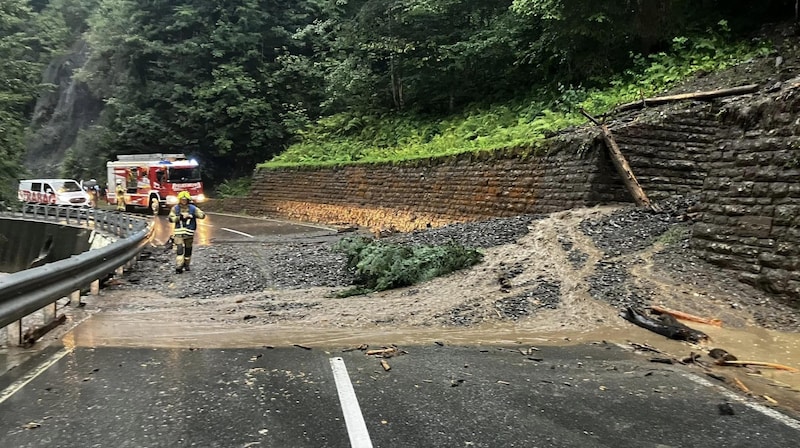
69	187
188	174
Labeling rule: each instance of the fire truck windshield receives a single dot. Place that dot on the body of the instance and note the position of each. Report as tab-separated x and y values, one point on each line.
189	174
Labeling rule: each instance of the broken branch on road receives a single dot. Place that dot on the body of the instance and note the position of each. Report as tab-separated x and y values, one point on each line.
386	352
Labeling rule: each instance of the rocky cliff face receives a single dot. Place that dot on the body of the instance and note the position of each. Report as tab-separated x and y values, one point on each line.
60	113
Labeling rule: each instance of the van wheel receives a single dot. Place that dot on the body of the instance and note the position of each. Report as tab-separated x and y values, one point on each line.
154	205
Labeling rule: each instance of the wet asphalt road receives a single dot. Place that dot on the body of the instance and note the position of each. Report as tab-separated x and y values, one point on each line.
433	396
220	227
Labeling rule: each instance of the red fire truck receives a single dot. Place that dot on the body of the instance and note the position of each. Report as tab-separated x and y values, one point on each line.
154	180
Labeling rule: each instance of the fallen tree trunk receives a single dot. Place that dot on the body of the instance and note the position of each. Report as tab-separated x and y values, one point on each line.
706	95
621	165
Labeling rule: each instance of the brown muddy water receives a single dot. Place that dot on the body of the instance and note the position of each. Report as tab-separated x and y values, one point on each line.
750	343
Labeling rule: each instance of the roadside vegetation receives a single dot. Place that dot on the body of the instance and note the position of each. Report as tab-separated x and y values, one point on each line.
233	188
348	138
379	266
243	83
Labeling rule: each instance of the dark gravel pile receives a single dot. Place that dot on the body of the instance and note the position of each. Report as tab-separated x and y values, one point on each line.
539	295
611	283
482	234
217	270
239	268
624	232
633	228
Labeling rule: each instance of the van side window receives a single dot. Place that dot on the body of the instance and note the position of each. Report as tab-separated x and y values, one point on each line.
48	188
36	186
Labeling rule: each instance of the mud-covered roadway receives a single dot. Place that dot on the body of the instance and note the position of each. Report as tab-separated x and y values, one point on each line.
562	278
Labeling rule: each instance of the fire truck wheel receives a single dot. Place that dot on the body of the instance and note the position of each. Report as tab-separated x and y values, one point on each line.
154	205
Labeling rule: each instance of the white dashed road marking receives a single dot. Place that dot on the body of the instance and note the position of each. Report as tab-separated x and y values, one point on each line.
237	232
356	428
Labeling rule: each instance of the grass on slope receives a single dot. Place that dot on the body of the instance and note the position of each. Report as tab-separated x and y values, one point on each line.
346	139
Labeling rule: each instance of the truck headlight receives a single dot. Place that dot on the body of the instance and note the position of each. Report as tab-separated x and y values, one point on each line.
172	199
200	197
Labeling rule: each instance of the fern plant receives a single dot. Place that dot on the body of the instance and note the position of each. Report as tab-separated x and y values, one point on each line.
380	266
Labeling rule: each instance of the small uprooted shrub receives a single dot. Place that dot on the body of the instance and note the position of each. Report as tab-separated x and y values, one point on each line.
381	266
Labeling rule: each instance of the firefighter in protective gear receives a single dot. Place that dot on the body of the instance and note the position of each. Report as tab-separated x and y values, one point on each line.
185	216
120	192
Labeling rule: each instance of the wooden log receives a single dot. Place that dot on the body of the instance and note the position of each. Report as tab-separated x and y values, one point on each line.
31	336
772	365
686	316
705	95
622	166
382	352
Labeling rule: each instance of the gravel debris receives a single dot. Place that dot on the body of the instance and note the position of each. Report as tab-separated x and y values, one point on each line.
242	268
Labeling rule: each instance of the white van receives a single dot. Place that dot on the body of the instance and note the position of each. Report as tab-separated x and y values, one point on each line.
53	191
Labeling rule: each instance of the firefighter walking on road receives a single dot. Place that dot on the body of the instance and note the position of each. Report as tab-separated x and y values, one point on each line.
120	193
185	216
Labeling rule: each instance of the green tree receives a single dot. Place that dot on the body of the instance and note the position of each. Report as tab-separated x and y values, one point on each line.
19	73
210	78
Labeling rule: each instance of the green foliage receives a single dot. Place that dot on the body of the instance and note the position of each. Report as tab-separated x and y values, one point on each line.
232	188
21	48
221	80
380	266
349	137
236	82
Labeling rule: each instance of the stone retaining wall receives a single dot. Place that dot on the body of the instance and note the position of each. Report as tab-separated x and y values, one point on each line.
434	192
750	201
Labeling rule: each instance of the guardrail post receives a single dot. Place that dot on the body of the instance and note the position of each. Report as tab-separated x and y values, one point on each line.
94	288
49	313
119	271
14	333
75	298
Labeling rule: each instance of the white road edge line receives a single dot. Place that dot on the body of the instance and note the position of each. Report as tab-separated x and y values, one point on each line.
236	231
20	383
769	412
356	428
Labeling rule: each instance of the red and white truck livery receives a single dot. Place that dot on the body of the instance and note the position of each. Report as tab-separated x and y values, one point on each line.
154	180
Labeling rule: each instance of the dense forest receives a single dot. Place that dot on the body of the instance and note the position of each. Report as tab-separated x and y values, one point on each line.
237	82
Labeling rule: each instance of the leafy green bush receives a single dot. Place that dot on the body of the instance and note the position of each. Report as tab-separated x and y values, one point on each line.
379	266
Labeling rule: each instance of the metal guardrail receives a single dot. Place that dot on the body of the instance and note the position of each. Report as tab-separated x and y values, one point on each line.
23	293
